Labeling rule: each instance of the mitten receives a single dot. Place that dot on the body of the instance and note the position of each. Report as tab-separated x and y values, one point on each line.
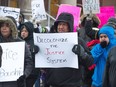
36	49
78	49
21	81
103	44
86	59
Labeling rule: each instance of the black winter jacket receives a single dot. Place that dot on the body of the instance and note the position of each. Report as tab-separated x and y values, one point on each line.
109	79
68	76
93	34
30	42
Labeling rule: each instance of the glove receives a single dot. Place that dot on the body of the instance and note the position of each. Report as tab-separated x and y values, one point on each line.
36	49
103	44
78	49
1	52
87	60
21	81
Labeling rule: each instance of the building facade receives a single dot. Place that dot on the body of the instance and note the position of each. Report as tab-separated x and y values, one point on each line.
51	6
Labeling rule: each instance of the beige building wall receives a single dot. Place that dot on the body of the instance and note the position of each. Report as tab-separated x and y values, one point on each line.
71	2
109	3
25	6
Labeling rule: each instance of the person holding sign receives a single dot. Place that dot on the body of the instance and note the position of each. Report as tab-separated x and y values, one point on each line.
68	77
9	33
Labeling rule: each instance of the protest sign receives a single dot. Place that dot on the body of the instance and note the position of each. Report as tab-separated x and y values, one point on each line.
105	13
55	50
10	11
91	6
38	10
12	61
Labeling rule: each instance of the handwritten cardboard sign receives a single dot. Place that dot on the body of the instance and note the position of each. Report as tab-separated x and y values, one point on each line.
38	10
74	10
91	6
10	11
55	50
105	13
12	61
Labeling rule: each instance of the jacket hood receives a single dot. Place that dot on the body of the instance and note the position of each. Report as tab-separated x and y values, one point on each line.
12	26
108	30
30	28
65	17
95	18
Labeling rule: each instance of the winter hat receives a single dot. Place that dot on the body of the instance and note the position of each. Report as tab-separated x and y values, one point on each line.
112	21
65	17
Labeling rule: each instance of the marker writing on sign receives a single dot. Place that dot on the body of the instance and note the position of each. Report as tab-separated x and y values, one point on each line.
55	52
54	61
15	72
9	54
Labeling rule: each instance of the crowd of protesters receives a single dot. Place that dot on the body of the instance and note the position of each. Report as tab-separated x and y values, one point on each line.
95	50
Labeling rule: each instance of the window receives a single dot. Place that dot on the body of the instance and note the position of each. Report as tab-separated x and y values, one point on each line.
4	2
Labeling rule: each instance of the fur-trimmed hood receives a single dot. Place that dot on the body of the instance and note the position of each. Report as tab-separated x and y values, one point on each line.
95	18
12	26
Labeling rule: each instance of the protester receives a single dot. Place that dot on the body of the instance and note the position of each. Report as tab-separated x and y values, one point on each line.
100	53
68	77
91	23
89	72
112	22
26	33
8	33
93	33
109	79
85	25
21	20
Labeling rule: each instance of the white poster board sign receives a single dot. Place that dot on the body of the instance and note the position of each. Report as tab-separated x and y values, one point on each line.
10	11
91	6
55	50
12	61
38	10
